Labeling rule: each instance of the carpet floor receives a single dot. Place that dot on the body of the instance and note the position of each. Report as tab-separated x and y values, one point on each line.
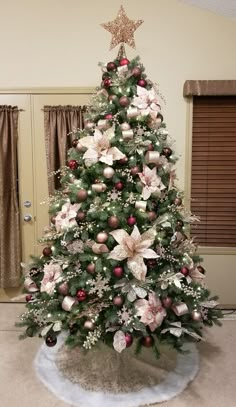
215	385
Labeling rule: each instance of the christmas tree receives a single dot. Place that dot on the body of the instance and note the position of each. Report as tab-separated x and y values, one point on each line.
119	263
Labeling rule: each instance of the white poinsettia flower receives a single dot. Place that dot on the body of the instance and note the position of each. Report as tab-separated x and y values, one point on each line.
52	276
147	102
151	311
65	219
151	182
135	248
99	148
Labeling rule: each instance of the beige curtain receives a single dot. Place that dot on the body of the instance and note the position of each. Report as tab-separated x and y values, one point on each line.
10	245
209	88
58	122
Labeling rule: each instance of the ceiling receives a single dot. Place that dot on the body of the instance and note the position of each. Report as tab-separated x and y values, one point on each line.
225	8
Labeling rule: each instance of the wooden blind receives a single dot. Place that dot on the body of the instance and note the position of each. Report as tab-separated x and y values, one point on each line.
213	189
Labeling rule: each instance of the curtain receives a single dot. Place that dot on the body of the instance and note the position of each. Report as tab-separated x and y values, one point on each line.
10	244
209	88
58	122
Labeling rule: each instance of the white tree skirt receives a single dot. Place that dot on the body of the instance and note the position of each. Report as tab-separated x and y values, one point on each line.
186	368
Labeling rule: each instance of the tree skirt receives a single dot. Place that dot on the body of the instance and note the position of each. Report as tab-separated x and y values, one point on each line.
104	378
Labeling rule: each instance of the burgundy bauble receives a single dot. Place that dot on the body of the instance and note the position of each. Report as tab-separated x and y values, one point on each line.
113	222
53	219
63	288
51	340
47	251
75	142
167	152
201	269
123	160
73	165
119	185
178	201
151	215
101	237
107	82
167	302
91	268
112	98
142	83
196	315
124	101
80	216
118	271
179	225
128	340
28	297
118	300
131	220
136	72
81	295
150	147
134	170
147	341
111	66
184	270
82	195
124	61
109	116
151	263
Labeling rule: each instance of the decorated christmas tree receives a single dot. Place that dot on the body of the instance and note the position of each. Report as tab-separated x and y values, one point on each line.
119	264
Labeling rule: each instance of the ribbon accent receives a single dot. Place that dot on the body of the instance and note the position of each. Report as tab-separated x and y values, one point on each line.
180	309
30	285
142	205
177	330
99	187
68	303
102	124
132	112
119	342
152	157
127	134
99	248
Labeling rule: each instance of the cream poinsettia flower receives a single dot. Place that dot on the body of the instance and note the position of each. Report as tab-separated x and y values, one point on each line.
151	182
151	311
65	219
135	248
99	148
147	102
52	276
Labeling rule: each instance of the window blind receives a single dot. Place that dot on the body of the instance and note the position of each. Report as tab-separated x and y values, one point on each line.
213	186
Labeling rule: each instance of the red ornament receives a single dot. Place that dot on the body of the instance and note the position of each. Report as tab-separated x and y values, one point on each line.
118	271
124	61
184	270
51	340
119	186
150	147
109	116
63	288
81	295
152	215
111	66
147	341
107	82
142	82
118	300
80	216
124	101
47	251
136	72
201	269
91	268
82	195
151	263
167	152
131	220
73	165
75	142
134	170
128	340
113	222
167	302
53	219
123	160
28	297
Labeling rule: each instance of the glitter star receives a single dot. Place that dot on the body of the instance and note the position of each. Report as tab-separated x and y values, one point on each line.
122	29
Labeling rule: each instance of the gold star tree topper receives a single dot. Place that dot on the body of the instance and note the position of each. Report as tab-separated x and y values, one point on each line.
122	29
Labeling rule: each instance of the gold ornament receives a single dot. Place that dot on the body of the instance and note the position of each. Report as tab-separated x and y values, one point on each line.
122	29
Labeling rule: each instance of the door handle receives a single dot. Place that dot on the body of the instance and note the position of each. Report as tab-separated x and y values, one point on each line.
27	218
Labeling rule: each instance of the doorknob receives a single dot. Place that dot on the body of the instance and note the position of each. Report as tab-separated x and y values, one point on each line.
27	218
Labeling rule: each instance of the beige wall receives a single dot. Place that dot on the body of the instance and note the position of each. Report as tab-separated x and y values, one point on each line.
59	42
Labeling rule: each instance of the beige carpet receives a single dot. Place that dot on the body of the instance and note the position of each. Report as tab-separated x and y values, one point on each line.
215	385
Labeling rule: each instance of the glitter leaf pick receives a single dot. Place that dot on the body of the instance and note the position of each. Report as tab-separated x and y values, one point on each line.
122	29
